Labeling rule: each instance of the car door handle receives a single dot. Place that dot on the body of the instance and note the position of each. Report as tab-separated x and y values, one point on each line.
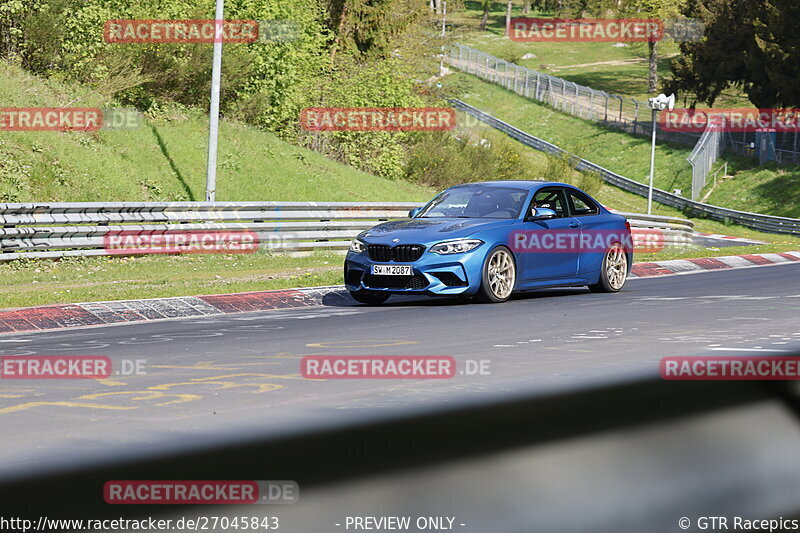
574	224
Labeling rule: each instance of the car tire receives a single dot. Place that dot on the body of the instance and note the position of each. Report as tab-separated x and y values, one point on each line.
498	276
369	298
613	271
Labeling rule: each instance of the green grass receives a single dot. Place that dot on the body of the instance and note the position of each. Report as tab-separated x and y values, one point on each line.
758	189
43	282
88	279
617	151
571	60
772	190
165	159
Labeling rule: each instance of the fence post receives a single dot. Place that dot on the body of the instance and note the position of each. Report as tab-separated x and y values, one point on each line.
527	94
516	75
536	91
635	116
576	102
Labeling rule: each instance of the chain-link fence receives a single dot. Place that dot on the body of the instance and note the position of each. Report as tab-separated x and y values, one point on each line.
624	113
703	157
628	114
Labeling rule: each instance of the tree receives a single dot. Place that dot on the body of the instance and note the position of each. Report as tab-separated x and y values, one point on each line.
654	9
509	6
487	4
750	44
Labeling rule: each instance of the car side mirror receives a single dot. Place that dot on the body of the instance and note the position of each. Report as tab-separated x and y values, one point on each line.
542	213
414	212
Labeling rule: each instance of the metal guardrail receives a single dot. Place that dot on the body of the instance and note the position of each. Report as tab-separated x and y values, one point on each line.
766	223
55	230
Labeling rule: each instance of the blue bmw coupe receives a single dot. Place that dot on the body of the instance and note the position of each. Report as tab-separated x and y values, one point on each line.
490	239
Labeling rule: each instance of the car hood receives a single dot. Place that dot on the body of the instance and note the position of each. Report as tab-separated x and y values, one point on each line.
428	230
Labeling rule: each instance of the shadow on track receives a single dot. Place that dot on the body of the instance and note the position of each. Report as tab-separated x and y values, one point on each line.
341	299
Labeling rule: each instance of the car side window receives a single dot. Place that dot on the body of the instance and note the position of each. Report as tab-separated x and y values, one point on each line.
550	199
581	205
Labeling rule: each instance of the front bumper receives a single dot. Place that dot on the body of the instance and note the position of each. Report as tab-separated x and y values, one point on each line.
433	274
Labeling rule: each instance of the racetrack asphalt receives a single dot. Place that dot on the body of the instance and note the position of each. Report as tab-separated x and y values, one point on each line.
225	378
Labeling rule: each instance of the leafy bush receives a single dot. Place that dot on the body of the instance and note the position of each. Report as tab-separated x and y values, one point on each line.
439	160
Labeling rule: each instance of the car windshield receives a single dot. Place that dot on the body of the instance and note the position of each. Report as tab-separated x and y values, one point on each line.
476	202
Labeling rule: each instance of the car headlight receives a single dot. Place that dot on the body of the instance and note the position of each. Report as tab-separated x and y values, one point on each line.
357	246
455	247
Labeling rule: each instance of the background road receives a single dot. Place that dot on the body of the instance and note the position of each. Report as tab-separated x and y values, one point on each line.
232	377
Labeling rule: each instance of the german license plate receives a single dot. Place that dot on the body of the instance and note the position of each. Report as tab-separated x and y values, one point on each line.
391	270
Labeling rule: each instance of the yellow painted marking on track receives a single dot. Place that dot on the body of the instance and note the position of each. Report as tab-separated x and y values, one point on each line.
111	382
30	405
209	365
147	395
12	395
358	344
224	383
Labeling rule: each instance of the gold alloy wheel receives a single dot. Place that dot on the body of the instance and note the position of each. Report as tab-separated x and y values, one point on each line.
616	266
502	274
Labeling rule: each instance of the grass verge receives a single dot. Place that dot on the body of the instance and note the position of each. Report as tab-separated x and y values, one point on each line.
165	158
32	283
768	190
85	279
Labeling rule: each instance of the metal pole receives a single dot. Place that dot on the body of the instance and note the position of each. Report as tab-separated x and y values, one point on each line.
652	166
213	130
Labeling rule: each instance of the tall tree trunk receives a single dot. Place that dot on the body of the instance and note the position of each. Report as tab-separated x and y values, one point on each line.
508	16
526	7
433	5
652	77
339	31
485	17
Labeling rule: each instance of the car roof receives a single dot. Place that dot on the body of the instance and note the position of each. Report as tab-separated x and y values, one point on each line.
524	184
